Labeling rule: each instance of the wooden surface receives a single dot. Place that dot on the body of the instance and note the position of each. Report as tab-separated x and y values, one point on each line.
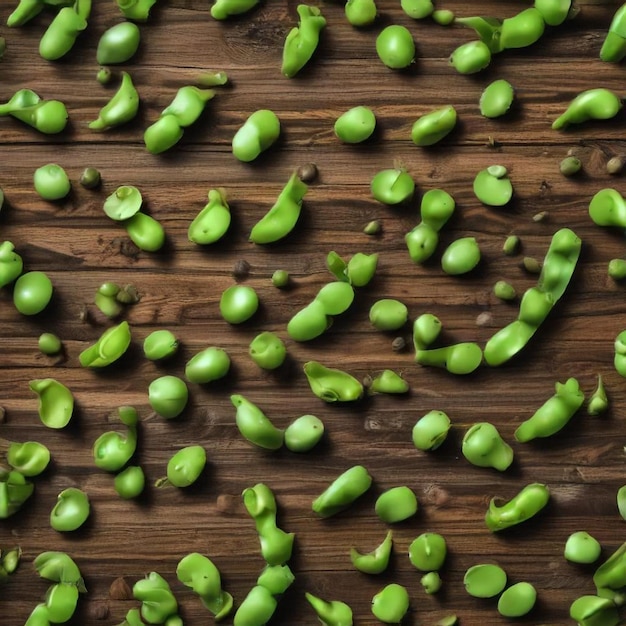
180	288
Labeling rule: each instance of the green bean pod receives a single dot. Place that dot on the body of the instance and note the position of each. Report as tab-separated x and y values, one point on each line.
121	108
118	44
343	491
11	264
111	345
47	116
614	46
136	10
257	134
554	414
255	426
554	12
59	567
14	491
361	12
302	40
376	561
332	385
61	34
593	104
434	126
257	608
157	600
56	402
330	612
460	358
281	219
608	208
522	30
145	232
470	57
594	611
25	11
526	504
484	447
112	450
610	577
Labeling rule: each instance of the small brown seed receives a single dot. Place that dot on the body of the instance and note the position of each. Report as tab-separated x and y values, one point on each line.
484	318
241	269
120	589
308	172
367	381
98	610
570	165
540	217
398	344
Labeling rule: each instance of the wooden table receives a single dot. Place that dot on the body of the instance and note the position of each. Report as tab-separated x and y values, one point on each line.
180	286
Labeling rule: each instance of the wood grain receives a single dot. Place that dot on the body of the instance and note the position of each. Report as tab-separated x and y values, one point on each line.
180	289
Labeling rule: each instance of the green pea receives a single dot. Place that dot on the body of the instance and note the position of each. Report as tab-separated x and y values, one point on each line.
71	510
484	580
436	208
118	44
168	396
332	385
427	552
598	401
121	108
388	382
330	612
159	345
393	186
342	491
255	426
356	124
123	203
111	345
207	365
374	562
522	30
388	314
136	10
257	608
56	402
212	222
29	458
593	104
130	482
581	547
570	165
594	611
49	344
268	351
434	126
280	279
431	582
302	40
443	17
417	9
11	264
395	47
396	505
223	9
90	178
60	602
112	450
431	430
484	447
426	329
61	34
258	133
238	304
361	269
145	232
391	603
51	182
461	256
470	57
47	116
492	186
11	560
184	467
526	504
304	433
104	75
496	98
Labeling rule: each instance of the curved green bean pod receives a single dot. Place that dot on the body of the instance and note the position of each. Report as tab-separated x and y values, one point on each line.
594	611
62	33
121	108
330	612
526	504
222	9
14	491
332	385
434	126
554	414
11	264
593	104
302	40
257	608
112	344
522	30
614	46
376	561
56	402
136	10
343	491
255	426
47	116
29	458
25	11
112	450
459	358
281	219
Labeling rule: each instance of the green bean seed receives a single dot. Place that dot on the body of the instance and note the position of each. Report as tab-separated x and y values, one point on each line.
212	222
268	351
496	98
608	208
223	9
356	124
280	279
581	547
388	381
59	568
51	182
342	491
121	108
304	433
257	607
427	552
29	458
522	30
492	186
136	10
90	178
431	430
130	482
330	612
207	365
145	232
484	447
118	44
417	9
443	17
238	304
258	133
47	116
395	46
373	228
49	344
309	323
614	46
11	264
104	75
461	256
254	425
71	510
431	582
594	611
159	345
393	186
426	329
158	603
168	396
332	385
123	203
434	126
391	603
470	57
112	344
504	290
570	165
621	501
112	450
184	467
374	562
302	40
11	560
511	245
388	314
60	602
56	402
361	269
593	104
461	358
396	505
526	504
484	580
598	401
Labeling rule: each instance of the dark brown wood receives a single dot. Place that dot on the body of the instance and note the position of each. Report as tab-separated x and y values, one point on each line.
180	288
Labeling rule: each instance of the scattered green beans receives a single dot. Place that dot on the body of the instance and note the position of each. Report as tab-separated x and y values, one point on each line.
342	491
255	426
332	385
374	562
526	504
302	40
484	580
393	186
184	467
121	108
112	450
492	186
15	490
268	351
49	344
598	401
594	611
258	133
461	256
111	345
581	547
428	551
118	44
395	47
358	123
614	46
46	116
56	402
51	182
29	458
483	446
496	98
330	612
207	365
430	430
554	414
130	482
11	264
434	126
391	603
71	510
396	505
593	104
158	603
168	396
159	345
238	304
136	10
223	9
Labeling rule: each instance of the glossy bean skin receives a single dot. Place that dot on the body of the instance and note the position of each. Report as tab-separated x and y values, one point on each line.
396	504
376	561
554	12
160	344
15	490
460	358
309	322
434	126
49	344
47	116
157	600
223	9
391	603
395	47
304	433
484	580
392	186
593	104
417	9
60	602
461	256
426	329
257	608
130	482
71	510
145	232
496	99
598	401
431	430
121	108
111	345
255	426
581	547
11	264
484	447
32	292
259	132
492	186
428	552
207	365
470	57
361	269
526	504
168	396
388	314
594	611
614	45
610	577
212	222
136	10
59	567
361	12
51	182
522	30
330	612
25	11
118	44
29	458
608	208
332	385
342	491
238	304
302	40
184	467
388	381
268	351
56	402
112	450
62	33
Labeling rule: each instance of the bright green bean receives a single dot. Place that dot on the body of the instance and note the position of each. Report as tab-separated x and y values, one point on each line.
59	567
526	504
280	279
168	396
123	203
212	222
594	611
593	104
617	269
62	33
393	186
610	577
29	458
56	402
157	600
417	9
358	123
496	98
388	381
488	29
484	580
71	510
309	322
268	350
332	385
598	401
46	116
121	108
258	133
614	46
470	57
15	490
361	12
302	40
130	482
111	345
304	433
257	607
492	186
184	467
376	561
430	430
51	182
581	547
428	551
431	582
395	47
207	365
396	505
460	358
522	30
388	314
434	126
60	602
255	426
11	264
461	256
49	344
330	612
223	9
145	232
238	303
361	269
136	10
342	491
484	447
504	290
554	12
391	603
112	450
25	11
160	344
118	44
570	166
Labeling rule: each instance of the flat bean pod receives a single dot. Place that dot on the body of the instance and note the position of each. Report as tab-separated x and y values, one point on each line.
121	108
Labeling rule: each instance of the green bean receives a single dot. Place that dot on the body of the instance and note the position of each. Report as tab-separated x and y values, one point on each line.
330	612
281	219
276	544
29	458
593	104
15	490
373	228
484	447
62	33
428	551
358	123
121	108
223	9
71	510
526	504
554	414
460	358
112	450
207	365
492	186
280	279
431	582
276	578
106	300
610	577
361	12
388	314
257	607
130	482
238	303
157	600
133	618
376	561
388	382
38	617
46	116
255	426
11	264
470	57
56	402
608	208
614	46
11	560
554	12
268	351
104	75
168	396
443	17
496	98
304	433
59	567
309	322
511	245
617	269
342	491
621	501
136	10
184	467
51	182
598	401
302	40
522	30
49	344
594	611
118	44
60	602
123	203
396	505
361	269
111	345
431	430
484	580
25	11
417	9
504	290
391	603
258	133
570	165
426	329
395	47
558	266
332	385
581	547
212	222
518	600
434	126
159	345
145	232
393	186
461	256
